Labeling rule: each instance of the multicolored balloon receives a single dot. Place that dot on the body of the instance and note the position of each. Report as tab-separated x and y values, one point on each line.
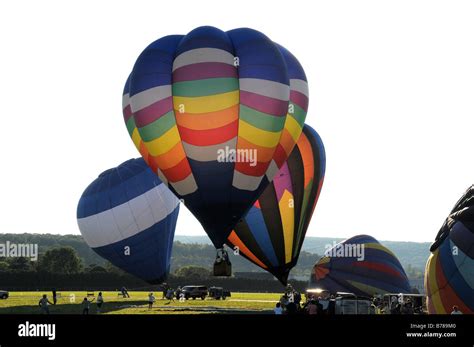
449	274
128	216
360	265
216	114
273	231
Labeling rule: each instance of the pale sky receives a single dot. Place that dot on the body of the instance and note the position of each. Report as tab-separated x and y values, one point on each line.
391	94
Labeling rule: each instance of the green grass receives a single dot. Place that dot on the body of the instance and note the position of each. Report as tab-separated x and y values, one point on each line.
70	303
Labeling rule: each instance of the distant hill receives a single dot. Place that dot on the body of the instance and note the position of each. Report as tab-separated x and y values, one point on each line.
198	250
409	253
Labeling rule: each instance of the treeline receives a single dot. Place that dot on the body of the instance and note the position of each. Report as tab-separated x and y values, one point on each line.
65	263
61	267
56	260
47	241
184	254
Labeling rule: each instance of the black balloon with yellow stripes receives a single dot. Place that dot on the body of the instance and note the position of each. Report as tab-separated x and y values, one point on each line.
272	232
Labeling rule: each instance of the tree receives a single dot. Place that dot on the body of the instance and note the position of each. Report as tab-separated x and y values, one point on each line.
4	267
109	267
19	264
63	260
193	272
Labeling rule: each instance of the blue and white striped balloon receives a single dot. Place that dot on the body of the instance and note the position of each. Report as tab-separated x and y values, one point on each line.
128	216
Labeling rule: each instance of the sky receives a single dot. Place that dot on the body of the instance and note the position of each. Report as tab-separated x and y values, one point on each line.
391	94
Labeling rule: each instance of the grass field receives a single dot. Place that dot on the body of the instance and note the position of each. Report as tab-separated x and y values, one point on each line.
70	303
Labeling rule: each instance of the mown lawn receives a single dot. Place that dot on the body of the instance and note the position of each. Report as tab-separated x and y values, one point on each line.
70	303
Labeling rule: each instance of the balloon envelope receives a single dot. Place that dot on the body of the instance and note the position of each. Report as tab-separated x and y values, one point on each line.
273	231
360	265
449	273
128	216
215	114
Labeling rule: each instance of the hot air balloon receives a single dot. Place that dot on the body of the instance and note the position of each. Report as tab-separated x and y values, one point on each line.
128	216
131	126
449	274
273	231
215	114
360	265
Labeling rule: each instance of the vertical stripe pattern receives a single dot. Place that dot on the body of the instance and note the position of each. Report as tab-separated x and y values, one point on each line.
273	230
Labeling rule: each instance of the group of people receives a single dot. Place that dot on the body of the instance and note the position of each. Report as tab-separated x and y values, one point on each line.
325	303
291	303
168	293
44	303
398	305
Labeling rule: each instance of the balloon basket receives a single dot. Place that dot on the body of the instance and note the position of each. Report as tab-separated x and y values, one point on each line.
223	269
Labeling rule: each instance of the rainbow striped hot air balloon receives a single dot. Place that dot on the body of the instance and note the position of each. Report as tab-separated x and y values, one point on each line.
273	231
449	274
216	114
375	270
128	216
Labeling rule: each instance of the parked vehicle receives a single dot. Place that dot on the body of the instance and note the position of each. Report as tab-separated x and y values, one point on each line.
219	293
194	292
4	294
341	302
349	303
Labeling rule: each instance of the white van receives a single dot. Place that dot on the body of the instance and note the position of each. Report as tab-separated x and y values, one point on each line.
343	303
349	303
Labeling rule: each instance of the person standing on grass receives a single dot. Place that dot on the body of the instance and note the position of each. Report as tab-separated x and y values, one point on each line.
178	293
125	292
151	300
170	295
86	305
164	288
100	302
44	304
55	299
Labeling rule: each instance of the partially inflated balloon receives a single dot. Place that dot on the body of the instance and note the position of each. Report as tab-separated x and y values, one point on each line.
449	274
216	114
128	216
273	231
360	265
